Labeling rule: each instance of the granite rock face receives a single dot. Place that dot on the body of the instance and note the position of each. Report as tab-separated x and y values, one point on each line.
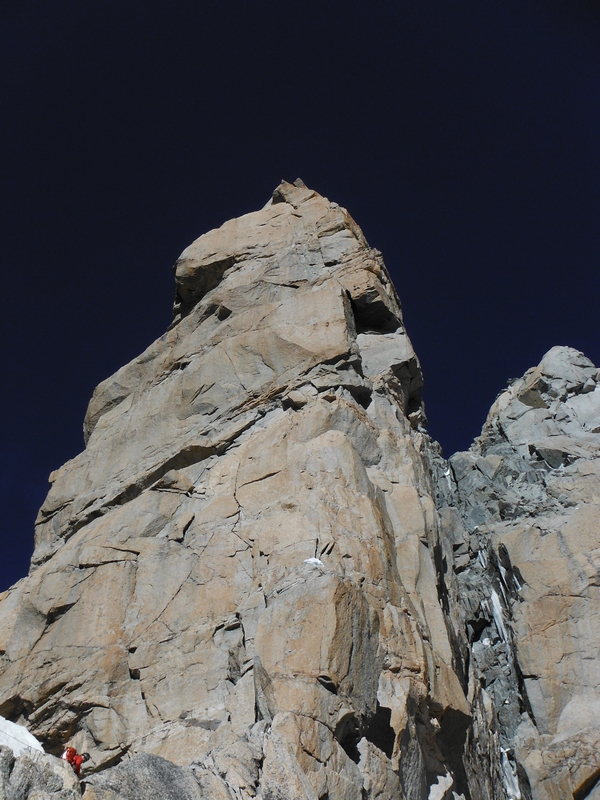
261	578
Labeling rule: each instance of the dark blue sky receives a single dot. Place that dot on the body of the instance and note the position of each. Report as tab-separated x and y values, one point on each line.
463	136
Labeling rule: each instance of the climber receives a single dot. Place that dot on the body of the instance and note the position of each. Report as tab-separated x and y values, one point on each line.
78	760
74	759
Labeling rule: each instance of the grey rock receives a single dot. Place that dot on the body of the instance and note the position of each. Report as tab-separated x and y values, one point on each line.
529	487
144	777
37	776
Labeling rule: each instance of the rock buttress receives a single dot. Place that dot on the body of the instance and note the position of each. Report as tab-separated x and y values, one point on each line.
260	570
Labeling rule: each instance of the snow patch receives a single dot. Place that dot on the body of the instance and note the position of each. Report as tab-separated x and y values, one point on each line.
17	738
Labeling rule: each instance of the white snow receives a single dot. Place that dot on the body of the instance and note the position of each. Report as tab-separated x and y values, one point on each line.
511	782
499	616
314	562
438	790
17	738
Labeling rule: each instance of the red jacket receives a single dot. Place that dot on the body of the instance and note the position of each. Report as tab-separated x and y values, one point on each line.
76	763
74	759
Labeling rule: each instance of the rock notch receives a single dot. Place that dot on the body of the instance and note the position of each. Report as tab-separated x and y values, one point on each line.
261	578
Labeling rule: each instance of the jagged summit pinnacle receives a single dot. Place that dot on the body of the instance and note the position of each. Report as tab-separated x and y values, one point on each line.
298	233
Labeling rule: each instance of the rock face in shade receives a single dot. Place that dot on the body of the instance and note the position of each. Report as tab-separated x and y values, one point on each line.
529	492
261	579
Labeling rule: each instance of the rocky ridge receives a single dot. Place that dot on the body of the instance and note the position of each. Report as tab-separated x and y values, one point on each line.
261	578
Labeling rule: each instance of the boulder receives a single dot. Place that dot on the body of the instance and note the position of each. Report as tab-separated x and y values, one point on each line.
36	776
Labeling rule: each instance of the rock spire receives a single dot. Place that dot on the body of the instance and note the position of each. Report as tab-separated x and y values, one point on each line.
261	578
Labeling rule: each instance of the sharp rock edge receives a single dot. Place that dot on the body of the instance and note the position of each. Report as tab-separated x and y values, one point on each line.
261	578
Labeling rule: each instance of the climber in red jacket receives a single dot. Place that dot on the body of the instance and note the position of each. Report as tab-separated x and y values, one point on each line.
74	759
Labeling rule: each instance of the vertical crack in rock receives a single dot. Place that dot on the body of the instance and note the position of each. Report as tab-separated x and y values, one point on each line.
262	579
